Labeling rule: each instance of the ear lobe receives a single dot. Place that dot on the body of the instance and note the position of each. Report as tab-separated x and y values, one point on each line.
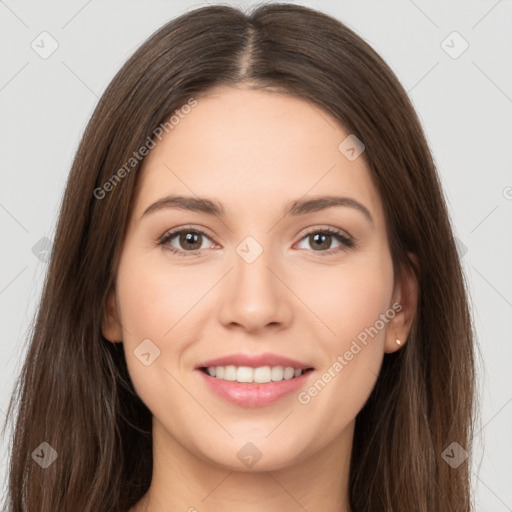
111	326
406	294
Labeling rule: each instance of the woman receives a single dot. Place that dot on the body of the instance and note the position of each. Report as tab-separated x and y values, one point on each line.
254	300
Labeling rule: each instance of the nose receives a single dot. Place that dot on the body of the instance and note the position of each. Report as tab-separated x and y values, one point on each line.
255	296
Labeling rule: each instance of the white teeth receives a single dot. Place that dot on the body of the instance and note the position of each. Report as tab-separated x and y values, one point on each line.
288	373
277	373
244	374
262	374
230	372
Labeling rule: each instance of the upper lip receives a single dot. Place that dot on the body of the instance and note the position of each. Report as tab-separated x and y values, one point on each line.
254	361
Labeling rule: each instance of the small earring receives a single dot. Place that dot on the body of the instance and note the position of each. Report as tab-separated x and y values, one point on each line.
398	342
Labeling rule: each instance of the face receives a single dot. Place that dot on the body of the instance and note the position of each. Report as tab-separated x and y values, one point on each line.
313	284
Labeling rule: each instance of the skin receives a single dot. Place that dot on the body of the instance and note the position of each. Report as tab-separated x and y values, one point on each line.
254	151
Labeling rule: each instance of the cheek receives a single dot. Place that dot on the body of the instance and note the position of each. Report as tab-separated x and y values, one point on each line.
154	300
155	296
350	298
352	305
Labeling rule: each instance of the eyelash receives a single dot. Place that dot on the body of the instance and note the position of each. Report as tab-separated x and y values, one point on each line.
346	242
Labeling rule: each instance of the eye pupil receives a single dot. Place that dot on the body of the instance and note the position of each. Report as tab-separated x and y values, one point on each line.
190	238
322	245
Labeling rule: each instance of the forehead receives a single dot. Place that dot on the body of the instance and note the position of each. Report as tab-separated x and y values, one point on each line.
240	146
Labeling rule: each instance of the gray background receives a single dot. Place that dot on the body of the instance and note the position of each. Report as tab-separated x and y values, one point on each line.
465	105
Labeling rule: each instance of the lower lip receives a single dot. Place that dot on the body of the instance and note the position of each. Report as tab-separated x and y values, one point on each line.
246	394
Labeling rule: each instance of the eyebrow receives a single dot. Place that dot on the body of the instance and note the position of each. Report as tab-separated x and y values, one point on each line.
294	208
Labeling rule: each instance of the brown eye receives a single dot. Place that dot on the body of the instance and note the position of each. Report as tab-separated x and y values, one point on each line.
188	241
321	241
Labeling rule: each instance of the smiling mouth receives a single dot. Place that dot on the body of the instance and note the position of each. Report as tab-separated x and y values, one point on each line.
249	375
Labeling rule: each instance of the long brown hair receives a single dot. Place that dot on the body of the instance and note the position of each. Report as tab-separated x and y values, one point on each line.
74	391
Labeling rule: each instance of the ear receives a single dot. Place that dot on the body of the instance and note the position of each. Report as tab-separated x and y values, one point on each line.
405	293
111	326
